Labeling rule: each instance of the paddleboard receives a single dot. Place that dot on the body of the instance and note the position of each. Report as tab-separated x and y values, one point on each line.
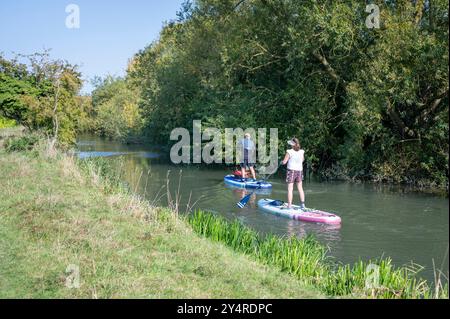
277	207
246	183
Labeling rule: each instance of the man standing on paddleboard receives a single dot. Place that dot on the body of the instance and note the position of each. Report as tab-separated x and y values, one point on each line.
248	150
294	159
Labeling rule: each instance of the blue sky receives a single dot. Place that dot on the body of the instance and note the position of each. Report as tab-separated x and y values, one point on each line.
111	31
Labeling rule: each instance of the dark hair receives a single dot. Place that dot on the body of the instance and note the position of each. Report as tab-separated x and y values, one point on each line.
297	146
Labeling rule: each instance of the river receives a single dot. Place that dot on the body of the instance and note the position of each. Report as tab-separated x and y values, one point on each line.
377	220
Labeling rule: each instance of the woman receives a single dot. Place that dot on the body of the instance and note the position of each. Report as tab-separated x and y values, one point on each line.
294	159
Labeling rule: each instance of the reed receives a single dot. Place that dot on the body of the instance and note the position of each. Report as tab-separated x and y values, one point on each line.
308	260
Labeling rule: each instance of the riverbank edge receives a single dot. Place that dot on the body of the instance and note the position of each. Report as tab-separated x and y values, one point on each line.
61	216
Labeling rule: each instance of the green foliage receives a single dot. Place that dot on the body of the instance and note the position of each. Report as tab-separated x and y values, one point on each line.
6	123
115	104
307	260
42	94
371	101
22	143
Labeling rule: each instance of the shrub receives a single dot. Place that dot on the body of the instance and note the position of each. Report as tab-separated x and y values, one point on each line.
22	143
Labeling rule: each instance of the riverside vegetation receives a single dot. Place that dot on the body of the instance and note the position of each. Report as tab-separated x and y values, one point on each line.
368	104
307	260
59	211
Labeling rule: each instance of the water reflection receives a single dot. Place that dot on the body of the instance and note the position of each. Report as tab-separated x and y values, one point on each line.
83	155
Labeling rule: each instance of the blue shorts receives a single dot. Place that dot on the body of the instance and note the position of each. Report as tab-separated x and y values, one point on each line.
247	163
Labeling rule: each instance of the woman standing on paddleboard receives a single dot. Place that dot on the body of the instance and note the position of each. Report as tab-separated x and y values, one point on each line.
294	159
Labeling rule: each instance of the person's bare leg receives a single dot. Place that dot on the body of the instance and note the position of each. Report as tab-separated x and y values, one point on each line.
252	170
301	192
243	172
290	191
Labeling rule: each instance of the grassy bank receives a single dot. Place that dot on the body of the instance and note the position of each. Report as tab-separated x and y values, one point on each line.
56	216
307	260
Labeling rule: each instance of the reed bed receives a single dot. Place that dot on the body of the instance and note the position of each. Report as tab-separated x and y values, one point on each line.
308	260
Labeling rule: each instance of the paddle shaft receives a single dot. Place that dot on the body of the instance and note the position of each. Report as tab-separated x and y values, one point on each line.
245	200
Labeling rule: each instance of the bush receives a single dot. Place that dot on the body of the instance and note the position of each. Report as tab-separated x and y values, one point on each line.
6	123
21	144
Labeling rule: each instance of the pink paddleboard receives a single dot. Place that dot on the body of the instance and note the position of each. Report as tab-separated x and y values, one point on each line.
308	215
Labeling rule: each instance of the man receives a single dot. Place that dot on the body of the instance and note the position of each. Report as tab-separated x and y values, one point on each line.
249	152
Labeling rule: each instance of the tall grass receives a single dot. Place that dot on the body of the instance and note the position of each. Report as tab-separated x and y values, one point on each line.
107	172
307	259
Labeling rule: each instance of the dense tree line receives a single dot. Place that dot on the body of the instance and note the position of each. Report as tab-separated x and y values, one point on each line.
366	103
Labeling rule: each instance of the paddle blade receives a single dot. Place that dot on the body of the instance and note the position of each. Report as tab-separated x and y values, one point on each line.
244	201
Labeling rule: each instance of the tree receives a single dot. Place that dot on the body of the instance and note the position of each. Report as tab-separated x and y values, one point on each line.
42	94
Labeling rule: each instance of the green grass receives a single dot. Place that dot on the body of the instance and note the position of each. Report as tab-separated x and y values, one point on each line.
54	214
10	132
307	260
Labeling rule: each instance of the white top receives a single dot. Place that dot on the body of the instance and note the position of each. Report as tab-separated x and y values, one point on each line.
296	158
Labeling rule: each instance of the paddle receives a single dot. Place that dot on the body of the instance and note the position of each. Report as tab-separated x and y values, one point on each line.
246	198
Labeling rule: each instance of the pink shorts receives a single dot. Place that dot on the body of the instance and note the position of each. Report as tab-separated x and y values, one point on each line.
294	176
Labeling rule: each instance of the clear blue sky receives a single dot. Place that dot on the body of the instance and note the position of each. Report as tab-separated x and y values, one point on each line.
110	33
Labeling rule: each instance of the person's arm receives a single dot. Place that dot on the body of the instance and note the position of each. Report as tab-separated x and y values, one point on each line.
286	158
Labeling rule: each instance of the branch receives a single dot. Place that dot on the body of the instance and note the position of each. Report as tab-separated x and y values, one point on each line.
55	115
426	113
238	4
419	11
322	59
398	121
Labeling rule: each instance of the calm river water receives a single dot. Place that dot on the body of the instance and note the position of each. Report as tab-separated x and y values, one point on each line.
377	221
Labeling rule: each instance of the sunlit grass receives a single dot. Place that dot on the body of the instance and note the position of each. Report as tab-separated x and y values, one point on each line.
54	214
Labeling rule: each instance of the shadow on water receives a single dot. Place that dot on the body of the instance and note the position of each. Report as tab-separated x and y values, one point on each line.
377	220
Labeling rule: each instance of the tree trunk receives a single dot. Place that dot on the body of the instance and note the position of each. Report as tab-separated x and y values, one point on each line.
55	120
